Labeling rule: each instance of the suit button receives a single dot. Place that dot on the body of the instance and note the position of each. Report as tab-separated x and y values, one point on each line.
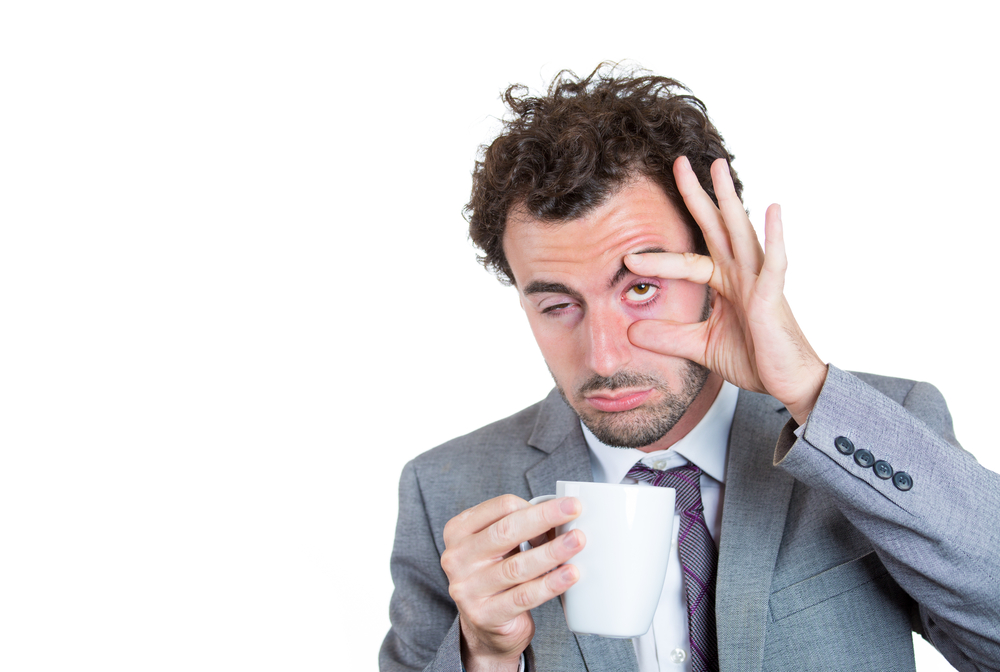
844	445
902	480
883	469
864	458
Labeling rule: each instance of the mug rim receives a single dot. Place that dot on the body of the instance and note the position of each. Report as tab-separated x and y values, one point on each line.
612	485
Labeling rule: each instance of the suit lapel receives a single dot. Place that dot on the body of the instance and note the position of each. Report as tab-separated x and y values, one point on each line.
569	461
753	521
557	432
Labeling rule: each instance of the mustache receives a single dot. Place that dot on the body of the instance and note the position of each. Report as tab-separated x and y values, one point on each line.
619	380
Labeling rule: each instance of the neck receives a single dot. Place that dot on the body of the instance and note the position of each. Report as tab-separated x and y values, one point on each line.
692	416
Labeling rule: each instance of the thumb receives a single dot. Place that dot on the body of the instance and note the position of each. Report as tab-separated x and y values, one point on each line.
676	339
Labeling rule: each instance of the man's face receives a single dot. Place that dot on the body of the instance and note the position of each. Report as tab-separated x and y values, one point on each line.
580	300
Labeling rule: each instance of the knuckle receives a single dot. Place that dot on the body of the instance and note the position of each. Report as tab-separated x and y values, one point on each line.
458	593
523	597
449	531
509	504
453	528
512	569
502	531
449	563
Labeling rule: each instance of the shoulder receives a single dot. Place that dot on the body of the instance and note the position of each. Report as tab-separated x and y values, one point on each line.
481	465
510	433
492	460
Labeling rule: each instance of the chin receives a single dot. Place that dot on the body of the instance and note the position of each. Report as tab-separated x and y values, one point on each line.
636	428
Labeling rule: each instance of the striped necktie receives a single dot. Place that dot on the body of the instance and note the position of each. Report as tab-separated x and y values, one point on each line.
699	559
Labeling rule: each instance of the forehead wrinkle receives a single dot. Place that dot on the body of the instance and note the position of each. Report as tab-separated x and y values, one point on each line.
589	253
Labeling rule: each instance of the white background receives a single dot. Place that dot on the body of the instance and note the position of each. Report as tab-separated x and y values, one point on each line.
236	293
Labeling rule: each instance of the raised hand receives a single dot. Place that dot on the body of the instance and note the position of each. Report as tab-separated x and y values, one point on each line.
493	586
751	337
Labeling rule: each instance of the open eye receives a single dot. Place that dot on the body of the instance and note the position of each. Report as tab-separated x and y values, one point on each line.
641	292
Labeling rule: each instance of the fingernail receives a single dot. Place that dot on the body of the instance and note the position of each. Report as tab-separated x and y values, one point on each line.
633	259
568	505
571	541
568	574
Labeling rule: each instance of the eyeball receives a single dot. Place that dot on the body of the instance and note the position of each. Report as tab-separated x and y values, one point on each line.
641	292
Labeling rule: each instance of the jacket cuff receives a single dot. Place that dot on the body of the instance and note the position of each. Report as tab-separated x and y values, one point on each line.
449	654
857	432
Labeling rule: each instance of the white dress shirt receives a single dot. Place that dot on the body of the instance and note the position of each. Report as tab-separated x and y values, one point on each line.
665	647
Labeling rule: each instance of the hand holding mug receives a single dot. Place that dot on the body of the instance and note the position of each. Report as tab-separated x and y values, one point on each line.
494	586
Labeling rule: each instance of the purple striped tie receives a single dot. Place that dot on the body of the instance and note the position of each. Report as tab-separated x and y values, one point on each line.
699	559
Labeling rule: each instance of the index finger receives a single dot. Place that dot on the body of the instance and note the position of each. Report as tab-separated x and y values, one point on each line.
507	533
673	266
504	522
481	516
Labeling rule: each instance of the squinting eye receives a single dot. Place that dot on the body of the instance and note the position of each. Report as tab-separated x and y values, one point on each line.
641	292
556	308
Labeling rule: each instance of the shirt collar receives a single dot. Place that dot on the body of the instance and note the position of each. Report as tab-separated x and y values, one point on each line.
706	445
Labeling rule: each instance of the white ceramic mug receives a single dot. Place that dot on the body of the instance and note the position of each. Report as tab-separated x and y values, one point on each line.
623	564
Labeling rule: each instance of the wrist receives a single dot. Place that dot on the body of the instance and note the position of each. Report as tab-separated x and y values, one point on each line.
806	399
488	664
479	658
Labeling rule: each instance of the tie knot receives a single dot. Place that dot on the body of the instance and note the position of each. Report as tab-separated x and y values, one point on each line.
686	480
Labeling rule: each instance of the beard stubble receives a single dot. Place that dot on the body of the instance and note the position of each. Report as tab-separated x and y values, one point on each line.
643	425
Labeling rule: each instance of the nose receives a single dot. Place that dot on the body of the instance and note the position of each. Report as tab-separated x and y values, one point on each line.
608	347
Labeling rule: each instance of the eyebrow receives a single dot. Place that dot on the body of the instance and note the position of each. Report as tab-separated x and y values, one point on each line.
541	287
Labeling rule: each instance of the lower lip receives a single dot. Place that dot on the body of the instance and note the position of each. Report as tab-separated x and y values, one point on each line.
625	403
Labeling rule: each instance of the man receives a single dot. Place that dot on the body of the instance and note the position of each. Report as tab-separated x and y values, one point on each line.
842	511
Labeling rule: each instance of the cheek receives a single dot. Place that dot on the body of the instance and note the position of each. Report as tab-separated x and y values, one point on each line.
549	338
557	344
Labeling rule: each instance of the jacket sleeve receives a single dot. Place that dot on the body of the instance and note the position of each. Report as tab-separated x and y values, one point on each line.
424	632
935	527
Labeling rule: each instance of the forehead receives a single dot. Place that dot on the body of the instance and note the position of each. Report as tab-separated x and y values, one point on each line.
638	216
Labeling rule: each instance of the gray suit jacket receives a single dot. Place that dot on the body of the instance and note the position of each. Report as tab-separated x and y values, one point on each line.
822	564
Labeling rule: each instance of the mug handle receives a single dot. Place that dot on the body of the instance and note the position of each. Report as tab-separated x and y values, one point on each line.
526	546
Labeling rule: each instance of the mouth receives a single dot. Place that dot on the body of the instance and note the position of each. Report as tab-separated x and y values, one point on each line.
618	401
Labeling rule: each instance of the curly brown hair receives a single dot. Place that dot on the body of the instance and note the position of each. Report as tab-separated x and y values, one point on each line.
562	154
